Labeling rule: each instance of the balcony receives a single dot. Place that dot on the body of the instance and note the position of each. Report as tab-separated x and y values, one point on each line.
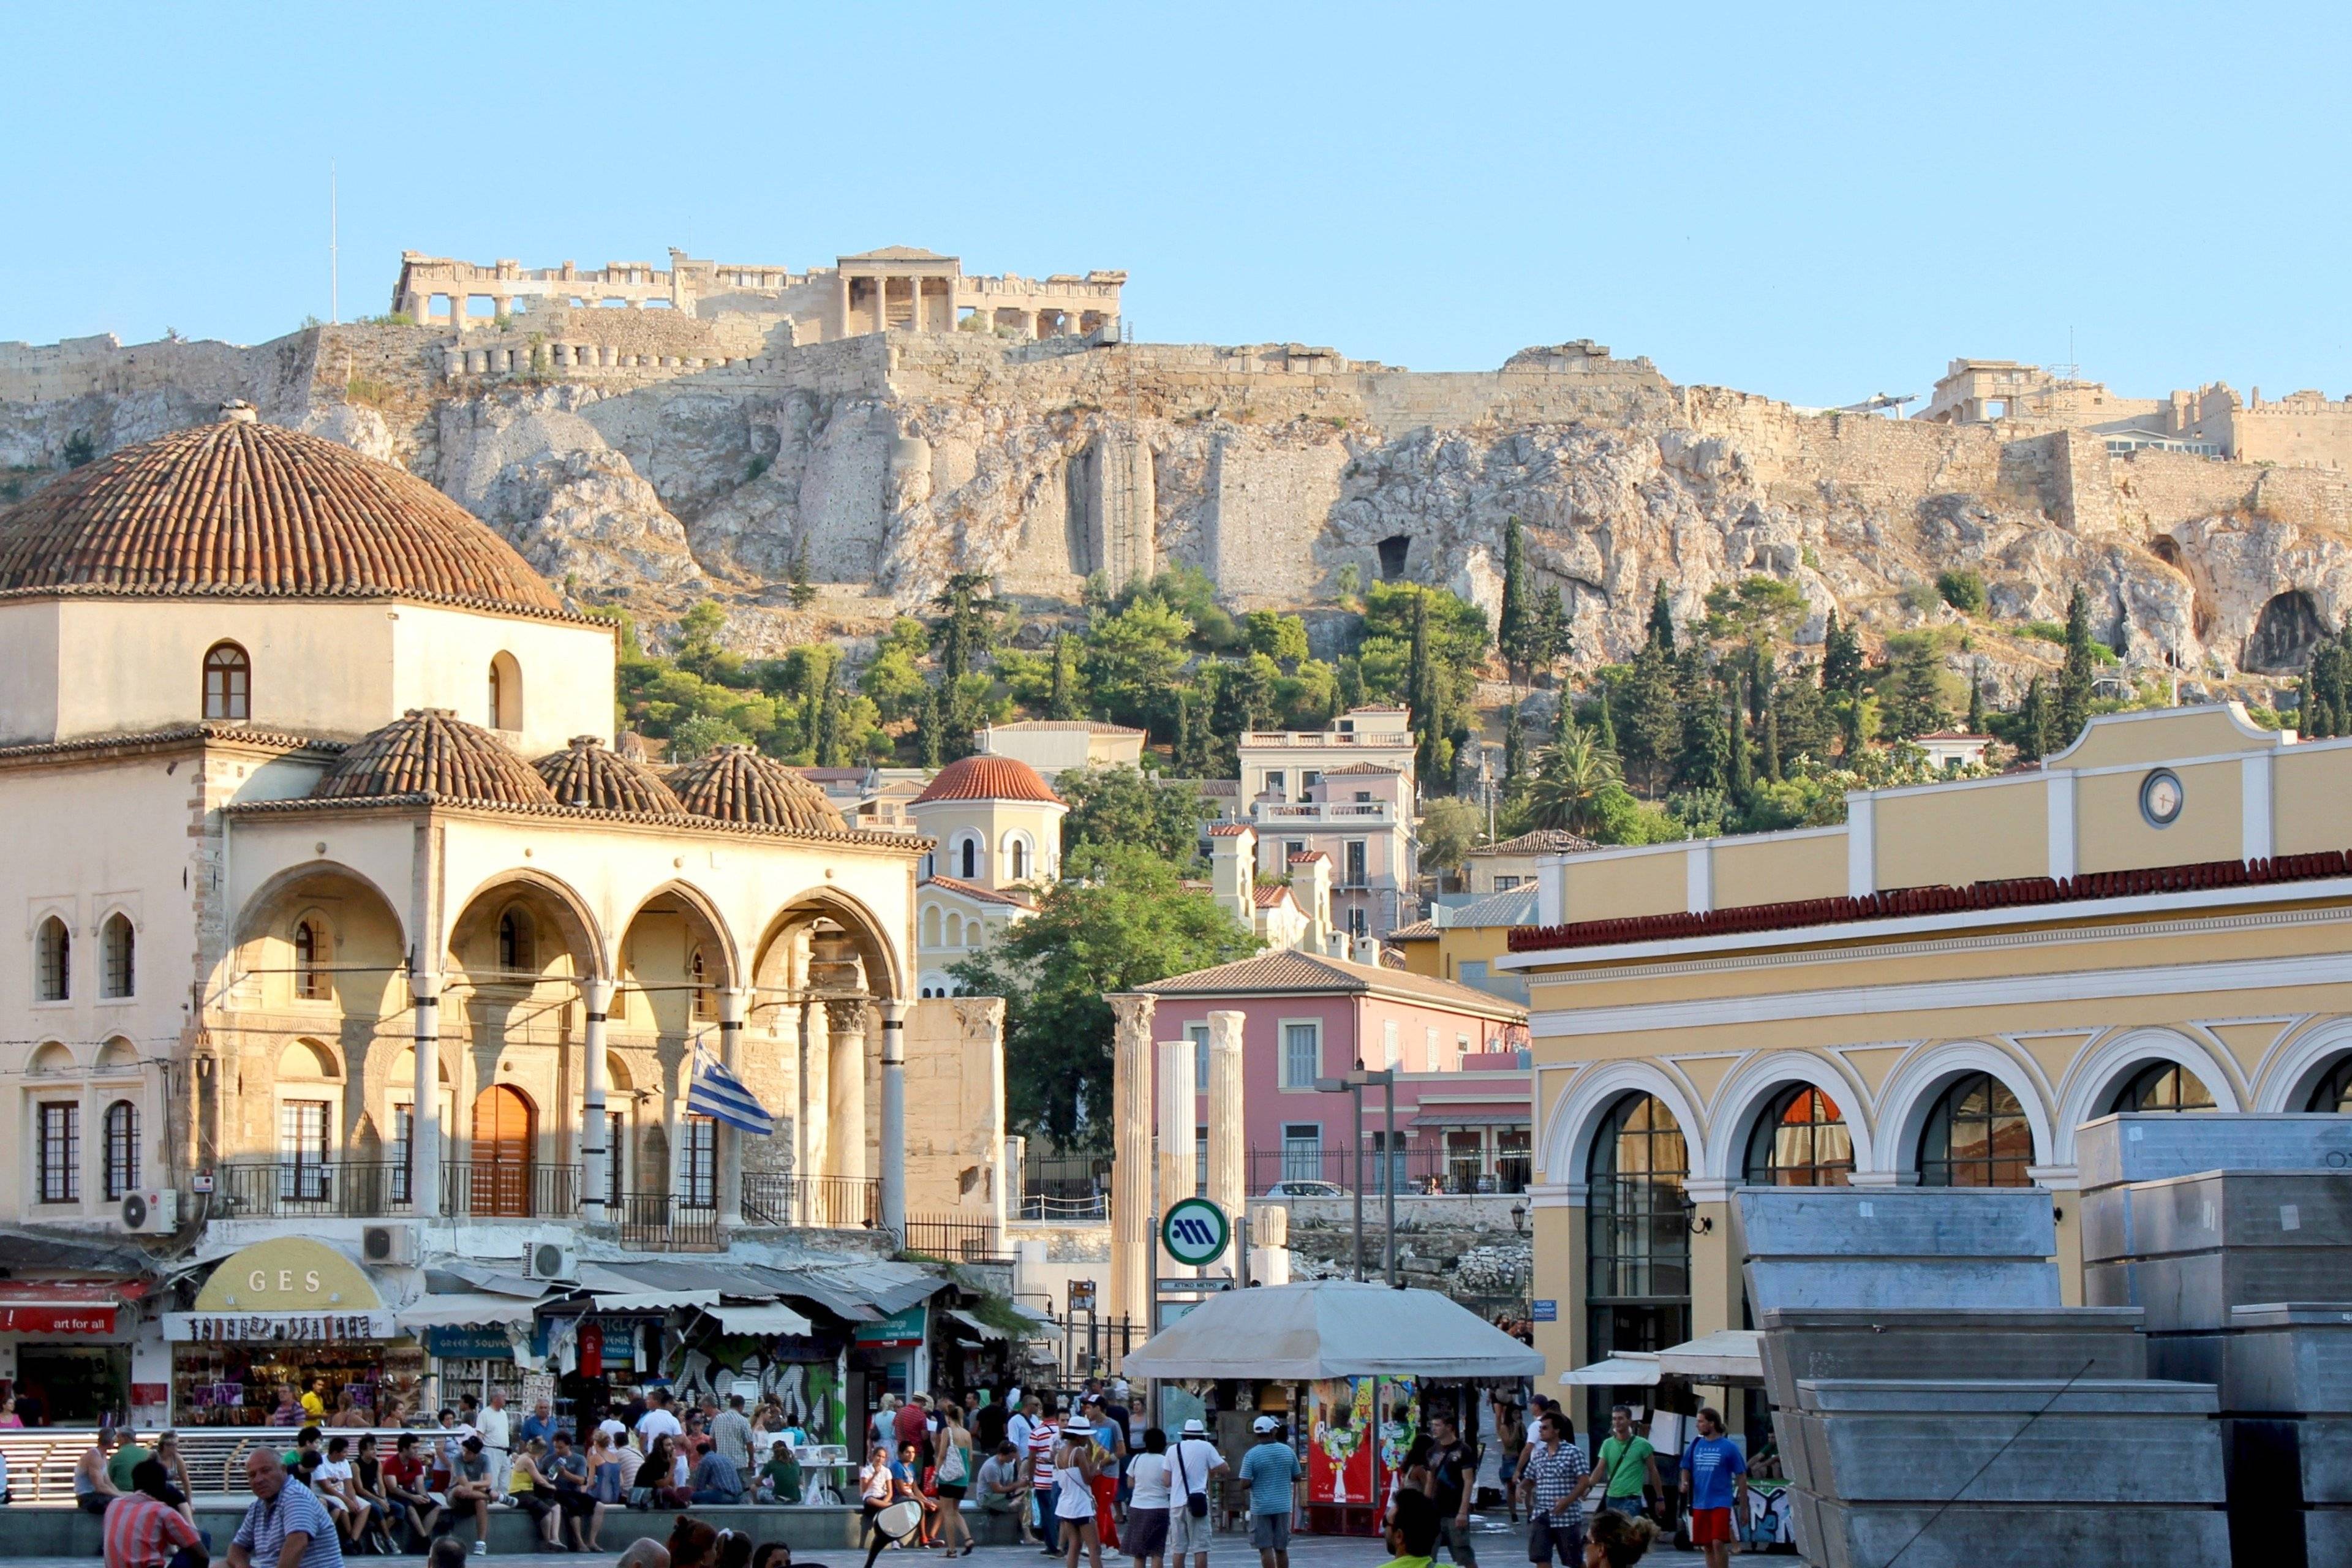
831	1203
1341	814
378	1189
1308	740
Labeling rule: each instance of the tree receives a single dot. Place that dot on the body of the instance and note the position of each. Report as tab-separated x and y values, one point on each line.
1853	727
964	633
2074	679
1191	756
803	588
1841	658
1557	640
1756	607
701	735
1514	751
930	739
1962	589
1649	717
1062	700
1743	774
1916	705
1129	922
1976	704
1519	630
893	679
1703	759
1131	659
1808	727
1661	619
1573	776
1112	808
1450	829
2034	725
1605	727
1768	741
1282	638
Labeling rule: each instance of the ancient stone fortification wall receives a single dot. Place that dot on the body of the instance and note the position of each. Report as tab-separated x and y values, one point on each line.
653	457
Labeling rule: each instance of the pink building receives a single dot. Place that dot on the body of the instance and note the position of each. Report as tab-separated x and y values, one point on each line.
1462	1082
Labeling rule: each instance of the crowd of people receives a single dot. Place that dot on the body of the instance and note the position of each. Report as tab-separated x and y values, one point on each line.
1078	1473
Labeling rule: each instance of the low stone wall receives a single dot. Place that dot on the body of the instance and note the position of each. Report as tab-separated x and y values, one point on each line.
1465	1246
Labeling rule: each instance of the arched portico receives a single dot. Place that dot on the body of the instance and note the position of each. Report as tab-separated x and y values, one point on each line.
1580	1107
1752	1087
2098	1073
1913	1088
2292	1073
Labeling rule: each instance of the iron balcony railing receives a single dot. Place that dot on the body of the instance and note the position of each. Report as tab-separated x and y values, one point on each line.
825	1203
659	1221
1065	1186
956	1240
517	1190
340	1189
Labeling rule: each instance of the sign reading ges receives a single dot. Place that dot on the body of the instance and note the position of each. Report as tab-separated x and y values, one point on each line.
1195	1232
287	1274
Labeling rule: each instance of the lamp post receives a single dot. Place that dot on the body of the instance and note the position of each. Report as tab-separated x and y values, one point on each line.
1353	1086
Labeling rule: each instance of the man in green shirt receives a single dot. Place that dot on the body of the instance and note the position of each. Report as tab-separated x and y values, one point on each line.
780	1477
127	1459
1412	1533
1625	1465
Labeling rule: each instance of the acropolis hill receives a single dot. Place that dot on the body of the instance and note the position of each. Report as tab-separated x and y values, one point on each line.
727	418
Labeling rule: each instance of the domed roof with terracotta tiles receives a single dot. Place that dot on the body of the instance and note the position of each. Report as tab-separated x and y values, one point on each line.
987	777
242	509
736	783
588	773
431	752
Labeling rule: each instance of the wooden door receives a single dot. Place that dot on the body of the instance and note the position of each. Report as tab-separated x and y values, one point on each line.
502	1152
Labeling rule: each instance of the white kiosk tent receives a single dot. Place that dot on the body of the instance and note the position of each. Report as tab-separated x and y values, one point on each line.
1727	1359
1330	1327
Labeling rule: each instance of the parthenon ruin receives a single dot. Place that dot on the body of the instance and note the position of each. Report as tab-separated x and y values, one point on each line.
897	286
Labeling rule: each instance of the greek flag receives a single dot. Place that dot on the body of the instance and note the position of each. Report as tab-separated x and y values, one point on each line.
719	1094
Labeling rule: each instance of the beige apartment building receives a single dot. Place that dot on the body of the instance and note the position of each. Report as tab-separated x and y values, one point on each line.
1939	992
1349	793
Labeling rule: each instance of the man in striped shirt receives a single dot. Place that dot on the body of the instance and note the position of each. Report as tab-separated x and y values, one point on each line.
142	1531
1043	1434
287	1527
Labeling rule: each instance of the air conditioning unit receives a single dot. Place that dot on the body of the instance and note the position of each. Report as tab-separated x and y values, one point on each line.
389	1244
549	1260
151	1213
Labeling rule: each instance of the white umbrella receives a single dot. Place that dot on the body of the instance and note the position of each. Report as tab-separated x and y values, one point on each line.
1626	1369
1330	1327
1725	1356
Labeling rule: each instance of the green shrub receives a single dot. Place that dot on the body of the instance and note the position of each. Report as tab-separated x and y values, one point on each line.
1963	590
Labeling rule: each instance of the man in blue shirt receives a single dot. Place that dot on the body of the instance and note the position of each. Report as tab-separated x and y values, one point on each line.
1715	1482
1270	1470
285	1526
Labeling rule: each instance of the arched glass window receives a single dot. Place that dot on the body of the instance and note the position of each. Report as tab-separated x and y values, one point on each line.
228	683
121	1150
1019	859
1637	1231
968	859
704	1004
118	956
1801	1140
1977	1136
53	960
2332	1092
504	693
514	942
2163	1085
311	982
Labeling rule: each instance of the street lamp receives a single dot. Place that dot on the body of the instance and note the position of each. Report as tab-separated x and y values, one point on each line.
1353	1086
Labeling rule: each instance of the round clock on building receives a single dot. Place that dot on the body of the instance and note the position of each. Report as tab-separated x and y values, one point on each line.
2160	797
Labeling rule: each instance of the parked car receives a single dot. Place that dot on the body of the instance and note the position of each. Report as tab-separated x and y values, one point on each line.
1304	1189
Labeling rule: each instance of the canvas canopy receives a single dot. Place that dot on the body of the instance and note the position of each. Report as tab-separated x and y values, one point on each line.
1330	1327
1626	1369
1728	1358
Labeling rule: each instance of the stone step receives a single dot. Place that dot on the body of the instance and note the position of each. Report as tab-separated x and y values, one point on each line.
1972	1535
1880	1283
2112	1150
2216	1208
2195	1291
1935	1342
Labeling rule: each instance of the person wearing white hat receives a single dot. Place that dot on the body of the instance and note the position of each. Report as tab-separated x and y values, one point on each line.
1270	1470
1193	1460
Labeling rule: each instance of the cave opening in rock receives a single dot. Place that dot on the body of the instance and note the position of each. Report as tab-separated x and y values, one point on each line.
2285	634
1394	551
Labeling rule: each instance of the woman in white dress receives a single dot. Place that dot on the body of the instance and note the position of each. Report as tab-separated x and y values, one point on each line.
1073	1496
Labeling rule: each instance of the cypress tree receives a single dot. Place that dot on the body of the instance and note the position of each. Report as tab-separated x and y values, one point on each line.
1976	705
1771	743
1062	701
1841	658
1557	641
2075	681
1515	750
1519	629
1605	736
1743	777
1661	619
928	748
1850	725
1420	689
2033	726
824	719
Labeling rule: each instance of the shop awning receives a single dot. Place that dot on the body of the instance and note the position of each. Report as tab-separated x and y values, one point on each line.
1725	1357
858	1292
988	1332
651	1300
1330	1327
472	1310
279	1328
65	1306
1627	1369
759	1318
1473	1116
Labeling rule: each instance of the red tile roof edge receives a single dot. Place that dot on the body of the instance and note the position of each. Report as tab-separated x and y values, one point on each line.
1902	903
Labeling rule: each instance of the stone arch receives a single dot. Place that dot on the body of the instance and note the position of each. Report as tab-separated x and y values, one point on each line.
1017	854
2291	1072
1923	1074
551	900
53	1057
2098	1071
1589	1097
118	1054
309	1060
2289	626
968	855
271	908
716	938
1751	1086
884	955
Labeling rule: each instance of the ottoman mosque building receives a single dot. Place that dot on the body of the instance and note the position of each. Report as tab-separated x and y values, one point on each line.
336	898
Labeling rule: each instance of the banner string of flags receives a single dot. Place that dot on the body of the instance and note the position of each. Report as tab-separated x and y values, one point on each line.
714	1092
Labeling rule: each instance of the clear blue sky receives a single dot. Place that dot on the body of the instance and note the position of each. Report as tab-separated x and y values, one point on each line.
1816	208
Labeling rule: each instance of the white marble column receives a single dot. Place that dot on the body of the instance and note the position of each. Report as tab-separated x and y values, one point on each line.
596	997
727	1143
845	1099
1130	1170
1228	1134
892	1154
816	1156
1178	1105
424	1118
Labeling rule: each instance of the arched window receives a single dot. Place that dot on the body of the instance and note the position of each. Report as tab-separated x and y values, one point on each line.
955	930
704	1004
1977	1136
968	859
2163	1085
930	925
1018	858
506	693
312	982
53	960
1637	1232
121	1150
228	683
1801	1140
118	956
2332	1092
515	955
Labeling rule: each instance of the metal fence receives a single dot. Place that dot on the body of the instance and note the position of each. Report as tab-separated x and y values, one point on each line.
657	1222
831	1203
376	1189
519	1190
1093	1346
956	1240
1301	1167
1065	1186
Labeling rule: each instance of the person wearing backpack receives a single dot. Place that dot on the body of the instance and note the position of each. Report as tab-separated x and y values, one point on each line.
1193	1462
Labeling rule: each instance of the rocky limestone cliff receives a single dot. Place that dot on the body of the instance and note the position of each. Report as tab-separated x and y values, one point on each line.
703	461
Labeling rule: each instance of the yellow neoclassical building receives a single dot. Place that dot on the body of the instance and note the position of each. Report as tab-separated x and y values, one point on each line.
1939	991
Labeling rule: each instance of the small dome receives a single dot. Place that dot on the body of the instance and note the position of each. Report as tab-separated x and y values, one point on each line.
986	777
588	774
244	509
736	783
430	751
